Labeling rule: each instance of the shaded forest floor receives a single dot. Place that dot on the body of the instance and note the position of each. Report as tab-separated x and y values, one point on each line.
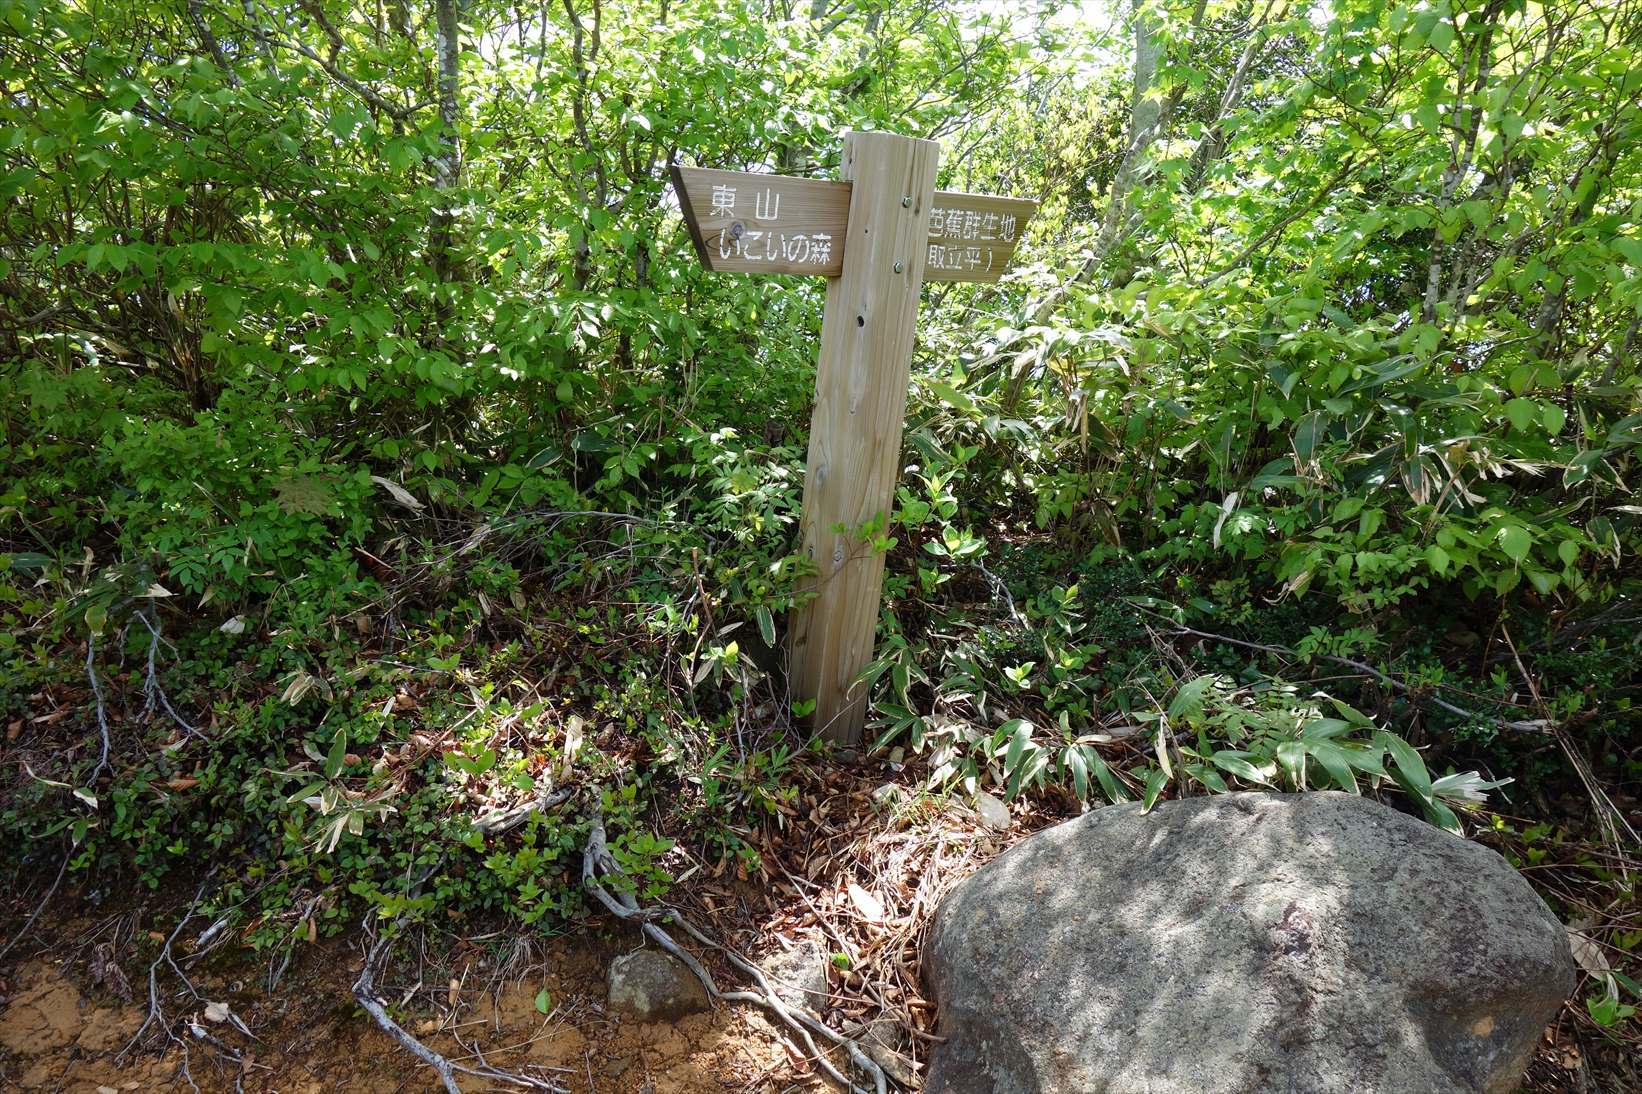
311	1038
75	993
456	718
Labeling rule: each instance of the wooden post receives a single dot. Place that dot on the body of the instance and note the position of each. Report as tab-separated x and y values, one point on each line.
861	382
877	234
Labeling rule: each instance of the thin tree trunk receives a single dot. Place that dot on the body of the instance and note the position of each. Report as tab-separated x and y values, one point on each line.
447	165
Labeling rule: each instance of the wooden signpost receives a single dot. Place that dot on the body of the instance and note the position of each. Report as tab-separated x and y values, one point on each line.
877	235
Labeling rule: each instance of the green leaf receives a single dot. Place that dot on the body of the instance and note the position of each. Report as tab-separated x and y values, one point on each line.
544	1001
1582	466
1292	756
1020	731
951	396
1187	704
1411	772
1238	764
305	793
1333	759
1109	782
1156	780
1515	541
1079	766
1208	776
338	754
766	624
1523	413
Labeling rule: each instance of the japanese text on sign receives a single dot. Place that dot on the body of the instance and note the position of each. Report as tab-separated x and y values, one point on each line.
759	245
970	224
946	257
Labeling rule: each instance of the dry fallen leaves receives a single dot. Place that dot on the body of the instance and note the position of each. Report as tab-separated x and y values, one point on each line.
870	907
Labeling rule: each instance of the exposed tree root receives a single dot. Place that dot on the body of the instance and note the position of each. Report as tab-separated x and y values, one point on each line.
102	707
597	862
153	694
364	990
156	1016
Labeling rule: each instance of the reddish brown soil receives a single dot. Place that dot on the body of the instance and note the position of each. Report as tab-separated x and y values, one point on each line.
310	1038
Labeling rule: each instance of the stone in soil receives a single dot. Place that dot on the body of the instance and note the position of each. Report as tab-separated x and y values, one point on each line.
652	986
1244	942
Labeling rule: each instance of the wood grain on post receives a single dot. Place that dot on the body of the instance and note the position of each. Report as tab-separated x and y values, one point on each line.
861	383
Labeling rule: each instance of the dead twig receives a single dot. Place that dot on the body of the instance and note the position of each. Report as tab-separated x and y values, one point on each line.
364	992
51	892
598	862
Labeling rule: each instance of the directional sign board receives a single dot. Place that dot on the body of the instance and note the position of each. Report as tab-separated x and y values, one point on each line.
744	223
972	237
748	223
877	235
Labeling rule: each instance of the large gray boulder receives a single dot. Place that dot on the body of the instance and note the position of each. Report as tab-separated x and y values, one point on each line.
1305	943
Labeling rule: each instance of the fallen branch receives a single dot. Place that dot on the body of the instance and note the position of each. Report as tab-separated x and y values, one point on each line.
364	992
597	862
61	870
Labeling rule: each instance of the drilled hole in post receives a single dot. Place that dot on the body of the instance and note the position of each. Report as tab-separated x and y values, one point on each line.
860	320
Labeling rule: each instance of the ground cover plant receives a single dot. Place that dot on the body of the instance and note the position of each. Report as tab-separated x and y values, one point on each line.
389	500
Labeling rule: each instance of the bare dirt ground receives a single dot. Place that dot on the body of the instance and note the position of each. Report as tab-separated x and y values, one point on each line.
311	1038
844	869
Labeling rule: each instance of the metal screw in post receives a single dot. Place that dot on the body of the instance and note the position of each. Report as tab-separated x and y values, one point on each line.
899	266
906	203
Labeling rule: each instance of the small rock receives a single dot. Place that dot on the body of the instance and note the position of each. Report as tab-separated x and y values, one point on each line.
799	975
993	812
889	796
876	1038
866	903
652	986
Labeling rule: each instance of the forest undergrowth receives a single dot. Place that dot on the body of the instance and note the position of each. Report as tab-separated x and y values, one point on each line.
390	500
